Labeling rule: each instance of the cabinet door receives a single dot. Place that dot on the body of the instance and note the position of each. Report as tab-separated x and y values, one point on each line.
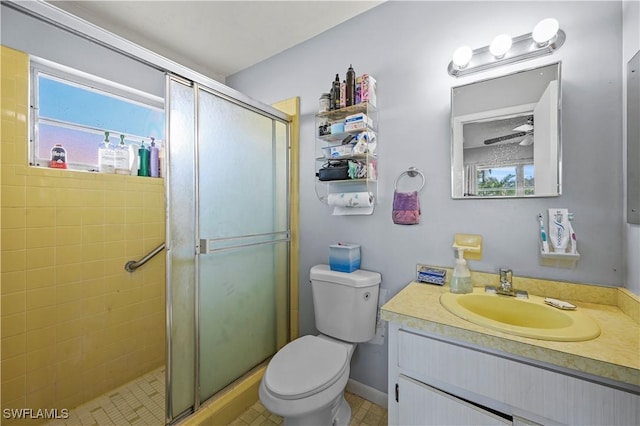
420	404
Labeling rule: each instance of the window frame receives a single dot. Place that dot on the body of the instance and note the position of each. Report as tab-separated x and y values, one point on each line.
85	81
520	189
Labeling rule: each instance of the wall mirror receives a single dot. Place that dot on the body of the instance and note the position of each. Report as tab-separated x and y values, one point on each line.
505	136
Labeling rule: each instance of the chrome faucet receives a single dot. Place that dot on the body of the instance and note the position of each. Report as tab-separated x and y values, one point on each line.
506	285
506	279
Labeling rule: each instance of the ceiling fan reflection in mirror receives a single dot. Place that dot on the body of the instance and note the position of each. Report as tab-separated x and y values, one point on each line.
524	131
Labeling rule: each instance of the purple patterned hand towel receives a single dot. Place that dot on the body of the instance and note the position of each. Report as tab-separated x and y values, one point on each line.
406	208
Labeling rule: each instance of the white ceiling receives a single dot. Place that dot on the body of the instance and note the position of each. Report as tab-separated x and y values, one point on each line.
216	38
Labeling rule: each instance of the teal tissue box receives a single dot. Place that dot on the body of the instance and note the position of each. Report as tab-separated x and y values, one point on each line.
344	257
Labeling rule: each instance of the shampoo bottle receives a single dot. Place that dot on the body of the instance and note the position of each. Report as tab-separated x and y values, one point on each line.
133	159
143	161
154	161
461	279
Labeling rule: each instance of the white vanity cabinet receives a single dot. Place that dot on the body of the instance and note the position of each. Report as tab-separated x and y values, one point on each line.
424	405
433	380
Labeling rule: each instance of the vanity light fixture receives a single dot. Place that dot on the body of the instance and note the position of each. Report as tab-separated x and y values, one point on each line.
546	38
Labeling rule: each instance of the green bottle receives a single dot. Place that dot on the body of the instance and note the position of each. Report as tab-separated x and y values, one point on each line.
143	154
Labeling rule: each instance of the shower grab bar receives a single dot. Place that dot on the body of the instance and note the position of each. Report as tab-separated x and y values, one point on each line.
132	265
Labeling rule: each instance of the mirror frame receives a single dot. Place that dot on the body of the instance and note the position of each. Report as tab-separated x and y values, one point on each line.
456	124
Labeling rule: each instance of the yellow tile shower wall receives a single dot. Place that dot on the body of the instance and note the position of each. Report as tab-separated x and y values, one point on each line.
74	323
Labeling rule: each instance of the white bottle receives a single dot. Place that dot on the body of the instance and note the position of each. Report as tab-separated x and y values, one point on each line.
461	279
133	159
106	156
121	154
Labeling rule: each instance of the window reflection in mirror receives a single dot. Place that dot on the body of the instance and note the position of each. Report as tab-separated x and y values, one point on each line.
505	136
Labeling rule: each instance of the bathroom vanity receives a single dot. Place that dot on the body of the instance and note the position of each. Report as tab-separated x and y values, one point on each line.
446	370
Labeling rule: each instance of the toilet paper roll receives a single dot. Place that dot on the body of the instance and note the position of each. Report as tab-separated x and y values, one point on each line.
351	203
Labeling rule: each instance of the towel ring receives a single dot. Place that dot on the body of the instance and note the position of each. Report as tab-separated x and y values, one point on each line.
411	172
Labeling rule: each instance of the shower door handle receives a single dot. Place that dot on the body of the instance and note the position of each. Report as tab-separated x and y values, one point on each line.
208	246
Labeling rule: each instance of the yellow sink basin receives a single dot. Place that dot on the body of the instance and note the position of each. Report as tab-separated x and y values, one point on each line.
522	317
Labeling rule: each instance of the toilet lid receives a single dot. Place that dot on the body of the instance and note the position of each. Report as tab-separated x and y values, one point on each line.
305	366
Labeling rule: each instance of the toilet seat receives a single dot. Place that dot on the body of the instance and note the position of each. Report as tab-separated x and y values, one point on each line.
306	366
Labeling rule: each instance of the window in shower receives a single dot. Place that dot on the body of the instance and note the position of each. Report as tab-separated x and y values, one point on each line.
75	109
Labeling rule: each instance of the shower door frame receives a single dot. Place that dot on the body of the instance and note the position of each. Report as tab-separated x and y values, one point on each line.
275	115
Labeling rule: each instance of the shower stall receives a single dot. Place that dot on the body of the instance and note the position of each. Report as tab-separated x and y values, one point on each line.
228	240
106	345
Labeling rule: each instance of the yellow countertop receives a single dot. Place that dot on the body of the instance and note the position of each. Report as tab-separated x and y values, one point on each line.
614	355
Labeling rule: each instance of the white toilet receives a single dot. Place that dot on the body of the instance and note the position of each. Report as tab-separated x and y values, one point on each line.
305	380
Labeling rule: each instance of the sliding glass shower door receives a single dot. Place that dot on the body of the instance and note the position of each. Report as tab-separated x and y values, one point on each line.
239	224
244	232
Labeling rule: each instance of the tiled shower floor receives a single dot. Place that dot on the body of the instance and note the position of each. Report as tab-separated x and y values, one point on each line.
141	402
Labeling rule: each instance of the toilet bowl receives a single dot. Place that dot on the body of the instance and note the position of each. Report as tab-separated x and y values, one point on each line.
305	382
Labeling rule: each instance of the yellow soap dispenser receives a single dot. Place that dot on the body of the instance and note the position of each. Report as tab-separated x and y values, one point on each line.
461	280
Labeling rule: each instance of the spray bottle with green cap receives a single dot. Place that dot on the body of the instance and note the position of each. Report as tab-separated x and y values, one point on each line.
461	279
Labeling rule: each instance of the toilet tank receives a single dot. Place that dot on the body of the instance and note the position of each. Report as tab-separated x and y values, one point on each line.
345	304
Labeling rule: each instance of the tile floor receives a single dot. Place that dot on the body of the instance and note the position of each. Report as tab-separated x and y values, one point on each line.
363	413
141	402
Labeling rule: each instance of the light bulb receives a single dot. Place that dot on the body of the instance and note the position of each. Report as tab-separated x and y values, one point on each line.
545	30
462	56
500	45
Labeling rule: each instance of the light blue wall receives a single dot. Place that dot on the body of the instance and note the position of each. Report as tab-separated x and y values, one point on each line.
407	46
